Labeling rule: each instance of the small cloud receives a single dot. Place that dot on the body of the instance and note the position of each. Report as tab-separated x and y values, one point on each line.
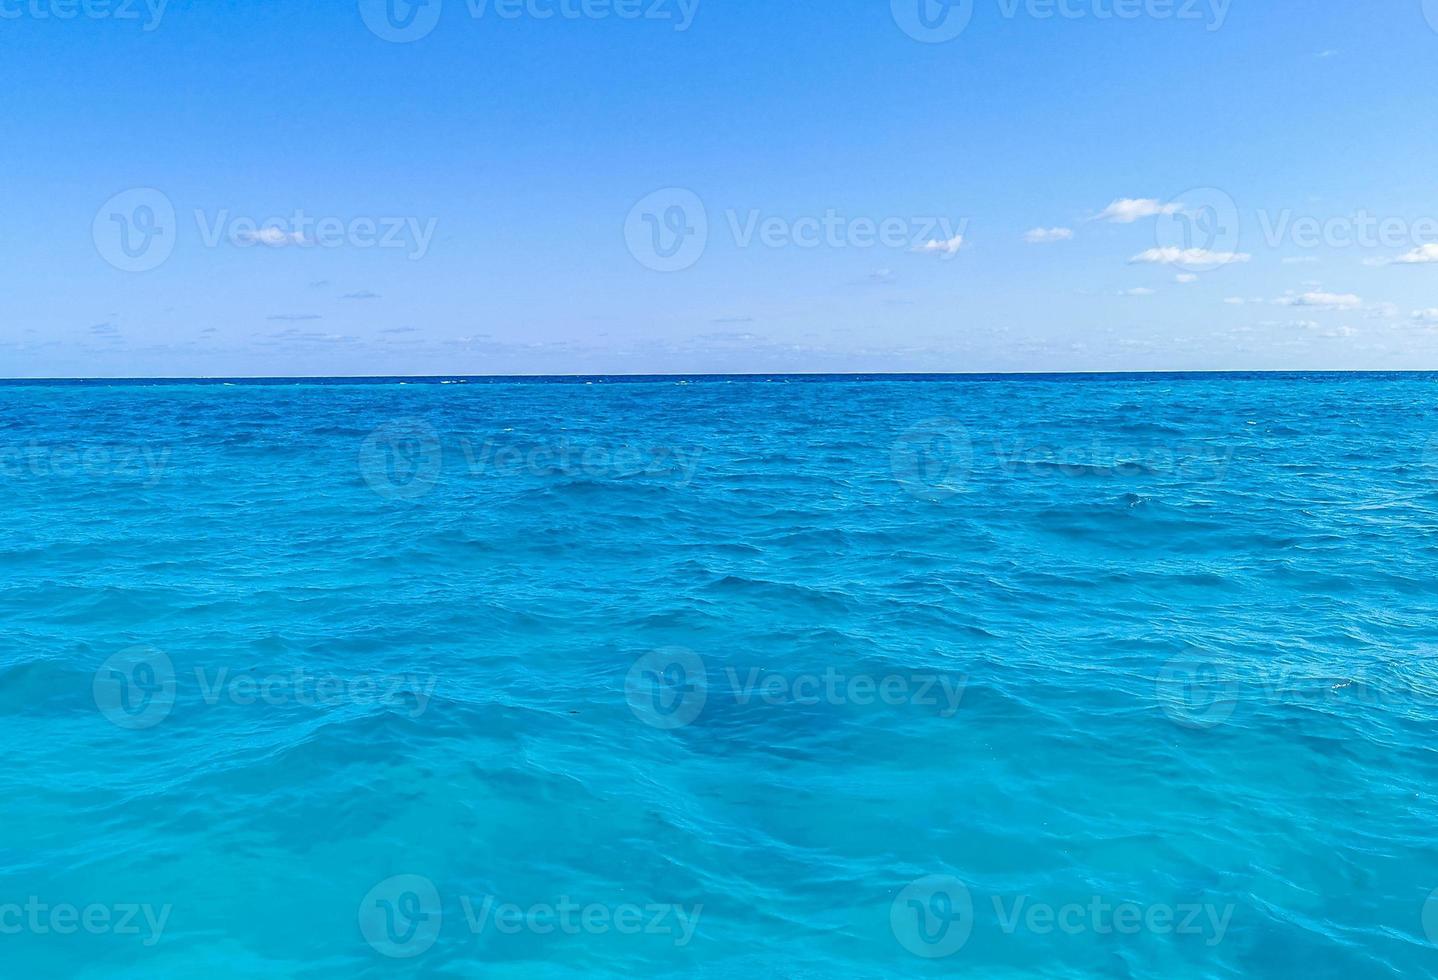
1235	301
270	235
1299	259
1040	236
1426	316
400	330
1419	256
319	283
1137	291
732	319
1188	256
103	329
1323	301
881	277
1127	210
362	294
209	330
1328	53
1185	277
935	247
294	317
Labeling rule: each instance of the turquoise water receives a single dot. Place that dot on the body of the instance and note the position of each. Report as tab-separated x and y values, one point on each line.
1112	677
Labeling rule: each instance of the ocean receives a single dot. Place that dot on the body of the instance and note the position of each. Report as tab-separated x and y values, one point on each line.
1031	676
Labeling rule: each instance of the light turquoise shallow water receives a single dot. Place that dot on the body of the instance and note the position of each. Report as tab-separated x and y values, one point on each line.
1126	677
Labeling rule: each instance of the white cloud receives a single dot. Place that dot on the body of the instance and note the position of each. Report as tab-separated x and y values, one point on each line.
1323	301
1420	255
1189	256
1137	291
1426	316
935	247
1235	301
1038	236
1127	210
1185	277
270	235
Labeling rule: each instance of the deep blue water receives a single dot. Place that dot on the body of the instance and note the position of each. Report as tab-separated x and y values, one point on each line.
1124	676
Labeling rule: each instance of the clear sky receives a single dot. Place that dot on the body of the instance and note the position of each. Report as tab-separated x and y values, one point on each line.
230	187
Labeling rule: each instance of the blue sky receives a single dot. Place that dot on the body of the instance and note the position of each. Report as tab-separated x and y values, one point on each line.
1220	184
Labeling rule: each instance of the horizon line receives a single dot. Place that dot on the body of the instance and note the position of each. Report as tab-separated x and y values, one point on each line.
722	374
